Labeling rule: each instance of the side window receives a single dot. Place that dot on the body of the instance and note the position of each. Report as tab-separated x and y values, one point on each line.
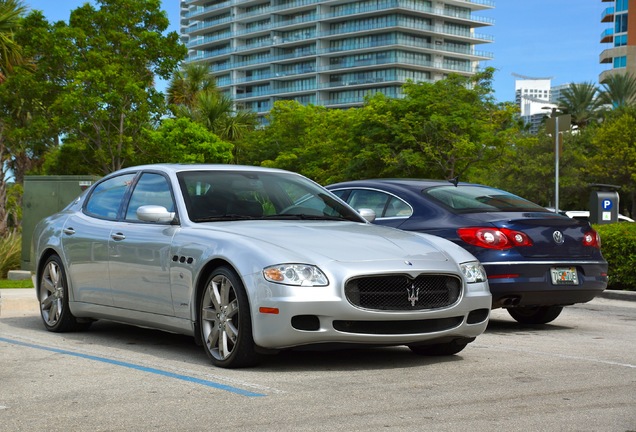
105	200
374	200
151	189
398	208
339	193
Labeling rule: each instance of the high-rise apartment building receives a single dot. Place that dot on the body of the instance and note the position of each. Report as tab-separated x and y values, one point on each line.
331	52
532	95
536	97
621	37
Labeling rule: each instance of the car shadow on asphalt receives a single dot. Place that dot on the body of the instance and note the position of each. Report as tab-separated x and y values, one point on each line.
511	327
107	336
349	359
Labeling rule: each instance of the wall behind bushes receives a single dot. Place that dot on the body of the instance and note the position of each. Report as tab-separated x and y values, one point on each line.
618	245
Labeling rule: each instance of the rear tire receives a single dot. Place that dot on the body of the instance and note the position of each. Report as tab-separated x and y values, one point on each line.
535	315
225	322
53	298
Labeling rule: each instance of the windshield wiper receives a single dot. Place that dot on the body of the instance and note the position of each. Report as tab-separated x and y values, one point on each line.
304	216
225	218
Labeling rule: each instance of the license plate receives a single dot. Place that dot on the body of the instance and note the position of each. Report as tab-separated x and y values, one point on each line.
564	276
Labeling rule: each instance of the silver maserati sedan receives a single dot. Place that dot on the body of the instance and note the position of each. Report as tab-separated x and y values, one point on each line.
251	261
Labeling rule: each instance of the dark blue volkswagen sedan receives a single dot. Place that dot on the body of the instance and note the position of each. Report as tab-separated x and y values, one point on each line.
537	261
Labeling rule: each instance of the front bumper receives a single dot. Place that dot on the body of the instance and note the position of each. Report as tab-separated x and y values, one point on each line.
321	315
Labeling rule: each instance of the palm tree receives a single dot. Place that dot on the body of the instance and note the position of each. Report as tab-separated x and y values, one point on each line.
10	51
582	101
193	93
619	90
193	79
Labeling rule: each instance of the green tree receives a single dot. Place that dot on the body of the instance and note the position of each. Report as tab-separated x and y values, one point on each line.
312	140
614	161
187	83
619	90
11	57
582	101
10	51
527	168
109	99
184	141
193	93
438	130
26	97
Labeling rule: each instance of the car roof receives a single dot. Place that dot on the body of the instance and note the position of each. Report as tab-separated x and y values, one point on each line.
177	167
410	183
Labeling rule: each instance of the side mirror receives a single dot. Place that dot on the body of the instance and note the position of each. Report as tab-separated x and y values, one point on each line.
154	213
367	214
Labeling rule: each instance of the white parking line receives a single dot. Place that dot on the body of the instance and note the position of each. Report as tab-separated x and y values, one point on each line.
168	374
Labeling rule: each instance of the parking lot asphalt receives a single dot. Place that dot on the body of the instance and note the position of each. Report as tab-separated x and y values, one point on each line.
19	301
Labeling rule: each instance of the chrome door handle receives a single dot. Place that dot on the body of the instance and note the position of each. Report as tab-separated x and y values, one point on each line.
118	236
68	231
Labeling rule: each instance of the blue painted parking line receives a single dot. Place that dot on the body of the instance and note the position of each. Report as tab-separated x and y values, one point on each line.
138	367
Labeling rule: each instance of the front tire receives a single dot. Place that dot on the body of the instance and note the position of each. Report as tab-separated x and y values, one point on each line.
53	298
225	322
535	315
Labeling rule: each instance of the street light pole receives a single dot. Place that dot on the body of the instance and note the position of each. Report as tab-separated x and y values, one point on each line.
556	162
553	126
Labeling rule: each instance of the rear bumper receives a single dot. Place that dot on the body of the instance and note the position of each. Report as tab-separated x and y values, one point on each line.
530	284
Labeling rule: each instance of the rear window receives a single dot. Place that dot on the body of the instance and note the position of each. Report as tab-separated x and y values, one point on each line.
464	199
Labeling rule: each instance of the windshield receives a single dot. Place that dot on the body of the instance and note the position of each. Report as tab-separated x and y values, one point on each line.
236	195
465	199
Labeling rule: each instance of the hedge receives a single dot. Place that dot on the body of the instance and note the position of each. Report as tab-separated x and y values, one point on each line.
618	246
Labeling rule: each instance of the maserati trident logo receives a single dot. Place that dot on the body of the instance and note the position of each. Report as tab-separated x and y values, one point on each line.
413	294
558	237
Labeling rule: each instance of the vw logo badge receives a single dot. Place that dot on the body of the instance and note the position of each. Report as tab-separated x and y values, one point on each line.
558	237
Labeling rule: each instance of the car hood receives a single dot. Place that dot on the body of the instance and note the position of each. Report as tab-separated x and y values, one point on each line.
340	241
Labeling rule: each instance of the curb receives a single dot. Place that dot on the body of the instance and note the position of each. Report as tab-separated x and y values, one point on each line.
619	295
18	301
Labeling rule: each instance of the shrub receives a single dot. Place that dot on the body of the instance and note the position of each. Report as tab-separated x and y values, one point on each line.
10	253
618	245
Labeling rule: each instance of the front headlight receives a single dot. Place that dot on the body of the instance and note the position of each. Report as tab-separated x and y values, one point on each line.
474	272
295	274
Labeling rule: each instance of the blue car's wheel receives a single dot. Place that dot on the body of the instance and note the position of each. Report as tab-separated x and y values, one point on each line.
535	315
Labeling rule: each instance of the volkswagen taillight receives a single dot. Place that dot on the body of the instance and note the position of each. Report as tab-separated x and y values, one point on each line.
494	238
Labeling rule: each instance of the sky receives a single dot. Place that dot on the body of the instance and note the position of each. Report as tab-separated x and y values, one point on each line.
559	39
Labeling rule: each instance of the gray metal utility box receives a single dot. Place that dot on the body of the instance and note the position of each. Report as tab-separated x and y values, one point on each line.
44	196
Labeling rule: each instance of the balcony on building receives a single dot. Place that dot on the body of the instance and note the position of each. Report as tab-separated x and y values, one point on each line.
607	15
607	56
607	36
